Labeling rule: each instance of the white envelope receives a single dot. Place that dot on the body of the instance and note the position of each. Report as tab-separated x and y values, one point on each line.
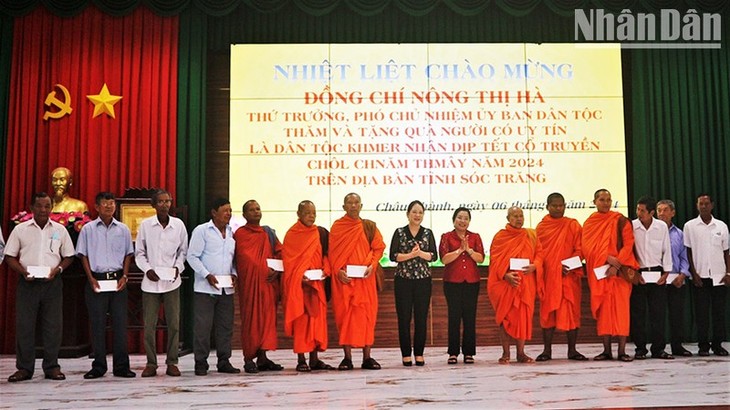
600	271
651	277
671	277
164	273
107	285
314	274
356	271
224	281
572	263
275	264
716	279
518	263
39	271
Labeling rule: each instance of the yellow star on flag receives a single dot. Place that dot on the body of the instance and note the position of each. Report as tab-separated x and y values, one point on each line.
104	102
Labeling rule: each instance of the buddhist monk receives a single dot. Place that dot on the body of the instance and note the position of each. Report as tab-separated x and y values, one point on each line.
559	287
258	292
355	299
511	290
610	295
305	301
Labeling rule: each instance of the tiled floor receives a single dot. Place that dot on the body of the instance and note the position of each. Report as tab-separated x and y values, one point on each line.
560	383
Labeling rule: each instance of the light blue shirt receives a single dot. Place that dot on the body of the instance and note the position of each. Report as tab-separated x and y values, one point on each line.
209	253
105	246
680	263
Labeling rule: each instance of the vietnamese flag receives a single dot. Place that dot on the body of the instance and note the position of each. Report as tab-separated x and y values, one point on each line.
135	57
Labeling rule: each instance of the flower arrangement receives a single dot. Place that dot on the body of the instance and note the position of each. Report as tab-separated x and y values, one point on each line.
73	221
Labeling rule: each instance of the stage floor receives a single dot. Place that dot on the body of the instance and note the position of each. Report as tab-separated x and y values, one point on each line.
560	383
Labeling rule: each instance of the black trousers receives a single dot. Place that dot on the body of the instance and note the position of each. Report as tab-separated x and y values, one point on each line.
461	299
412	300
212	313
654	297
676	302
115	304
705	297
33	299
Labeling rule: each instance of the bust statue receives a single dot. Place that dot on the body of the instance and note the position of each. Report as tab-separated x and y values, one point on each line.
61	181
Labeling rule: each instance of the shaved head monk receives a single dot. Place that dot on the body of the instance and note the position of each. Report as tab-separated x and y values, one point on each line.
512	289
605	256
559	288
305	301
354	241
258	292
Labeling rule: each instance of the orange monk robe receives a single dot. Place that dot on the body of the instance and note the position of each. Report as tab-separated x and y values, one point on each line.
305	303
257	297
355	304
610	296
514	307
559	295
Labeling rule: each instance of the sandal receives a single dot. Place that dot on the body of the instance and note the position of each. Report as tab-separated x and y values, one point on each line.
303	367
468	360
543	357
320	365
345	364
603	356
504	360
452	360
524	359
625	358
577	356
370	364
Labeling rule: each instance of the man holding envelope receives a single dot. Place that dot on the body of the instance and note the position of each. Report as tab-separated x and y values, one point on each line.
354	257
605	255
305	301
654	254
161	248
105	249
515	259
38	250
210	255
559	286
257	250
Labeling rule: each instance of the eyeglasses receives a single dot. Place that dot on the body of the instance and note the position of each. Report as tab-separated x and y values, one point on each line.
164	201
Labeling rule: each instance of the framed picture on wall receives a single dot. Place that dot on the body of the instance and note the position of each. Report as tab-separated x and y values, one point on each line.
132	211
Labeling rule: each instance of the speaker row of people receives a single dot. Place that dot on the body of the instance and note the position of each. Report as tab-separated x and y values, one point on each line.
223	261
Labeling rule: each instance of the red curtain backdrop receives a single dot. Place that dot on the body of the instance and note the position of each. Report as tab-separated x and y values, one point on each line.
136	56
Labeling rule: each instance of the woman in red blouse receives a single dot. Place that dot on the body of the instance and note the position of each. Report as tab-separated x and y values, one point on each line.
461	250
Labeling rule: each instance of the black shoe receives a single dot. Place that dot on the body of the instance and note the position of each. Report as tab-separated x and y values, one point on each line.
719	351
250	368
93	374
227	367
55	374
681	351
201	371
125	373
703	352
640	354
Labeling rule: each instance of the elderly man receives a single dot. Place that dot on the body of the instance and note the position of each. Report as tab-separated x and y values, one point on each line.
105	250
676	290
707	240
162	245
511	289
258	292
605	256
356	242
305	301
210	254
559	287
38	250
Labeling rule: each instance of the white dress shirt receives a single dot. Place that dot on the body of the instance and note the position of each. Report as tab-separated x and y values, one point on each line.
36	246
708	242
158	247
652	245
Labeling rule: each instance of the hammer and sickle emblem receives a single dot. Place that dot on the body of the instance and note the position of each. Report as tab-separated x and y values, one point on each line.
64	106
